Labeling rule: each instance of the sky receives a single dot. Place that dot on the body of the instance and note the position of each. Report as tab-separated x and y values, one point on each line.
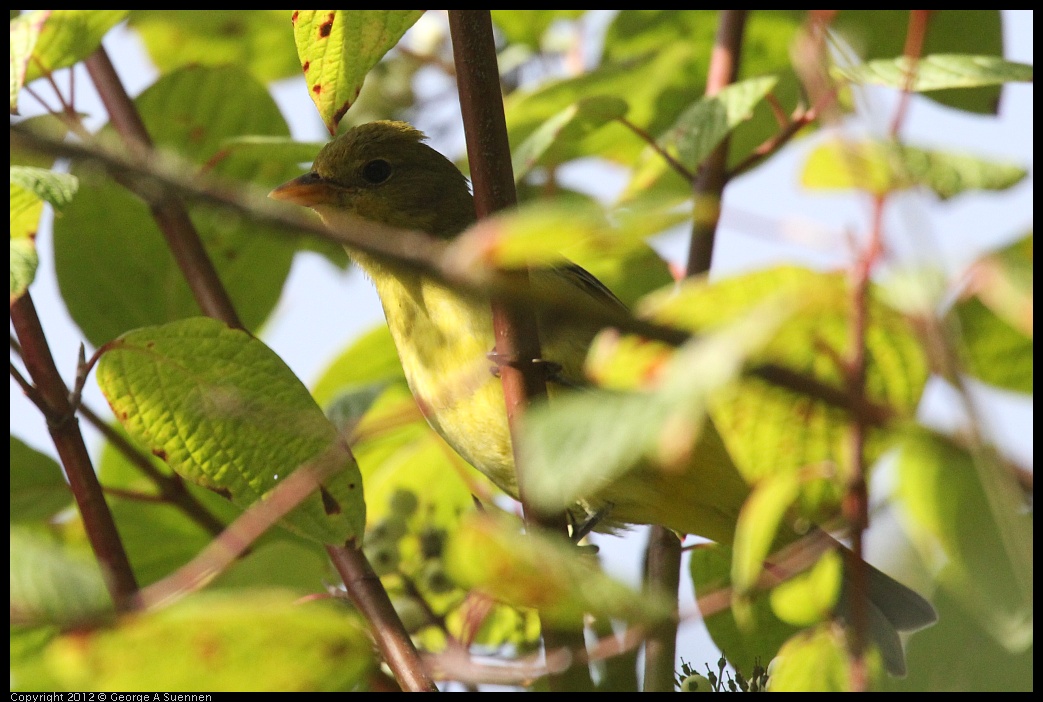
767	218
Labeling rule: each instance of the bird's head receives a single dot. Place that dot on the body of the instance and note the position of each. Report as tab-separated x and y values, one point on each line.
383	172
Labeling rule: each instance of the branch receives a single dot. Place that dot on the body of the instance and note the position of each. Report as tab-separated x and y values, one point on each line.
710	182
169	212
414	250
664	550
515	328
65	433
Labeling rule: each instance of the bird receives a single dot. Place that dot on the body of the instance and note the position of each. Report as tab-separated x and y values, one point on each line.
384	172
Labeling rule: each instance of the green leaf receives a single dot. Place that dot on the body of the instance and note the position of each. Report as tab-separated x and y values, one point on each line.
25	31
937	72
995	317
984	666
762	632
704	125
67	37
53	582
667	447
260	41
970	518
38	488
55	188
248	640
114	267
766	40
756	419
337	48
571	124
226	413
758	526
811	597
996	352
656	88
528	26
880	34
882	167
816	661
543	570
30	188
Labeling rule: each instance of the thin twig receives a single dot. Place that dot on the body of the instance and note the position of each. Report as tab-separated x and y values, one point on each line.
651	141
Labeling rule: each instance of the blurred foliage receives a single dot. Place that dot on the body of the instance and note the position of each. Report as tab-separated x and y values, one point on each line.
624	92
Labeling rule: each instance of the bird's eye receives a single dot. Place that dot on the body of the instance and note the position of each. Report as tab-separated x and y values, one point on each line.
376	171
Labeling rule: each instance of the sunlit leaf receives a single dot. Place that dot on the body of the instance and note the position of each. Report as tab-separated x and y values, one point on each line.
759	639
880	168
756	419
810	597
665	426
937	72
571	124
543	571
226	413
67	37
337	48
816	661
259	641
881	34
30	188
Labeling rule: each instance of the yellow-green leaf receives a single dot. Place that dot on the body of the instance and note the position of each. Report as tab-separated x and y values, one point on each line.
543	571
756	419
337	48
259	40
571	124
937	72
758	526
67	37
30	188
114	267
879	168
239	641
25	31
758	638
226	413
815	661
810	597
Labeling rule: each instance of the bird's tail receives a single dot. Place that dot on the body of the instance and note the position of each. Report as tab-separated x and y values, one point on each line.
891	608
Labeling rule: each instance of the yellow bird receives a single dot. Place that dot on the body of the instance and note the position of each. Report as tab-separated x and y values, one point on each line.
383	172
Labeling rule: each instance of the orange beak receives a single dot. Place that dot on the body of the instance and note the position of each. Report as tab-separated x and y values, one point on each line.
308	190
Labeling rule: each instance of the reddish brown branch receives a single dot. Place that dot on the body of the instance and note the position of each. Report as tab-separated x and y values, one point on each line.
517	336
65	433
371	599
169	211
709	184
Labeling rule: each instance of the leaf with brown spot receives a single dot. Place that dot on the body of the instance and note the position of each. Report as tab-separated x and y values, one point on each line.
338	48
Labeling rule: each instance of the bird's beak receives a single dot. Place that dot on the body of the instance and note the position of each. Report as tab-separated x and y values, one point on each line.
307	190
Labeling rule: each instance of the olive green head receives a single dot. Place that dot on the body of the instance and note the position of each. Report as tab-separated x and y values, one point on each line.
382	171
